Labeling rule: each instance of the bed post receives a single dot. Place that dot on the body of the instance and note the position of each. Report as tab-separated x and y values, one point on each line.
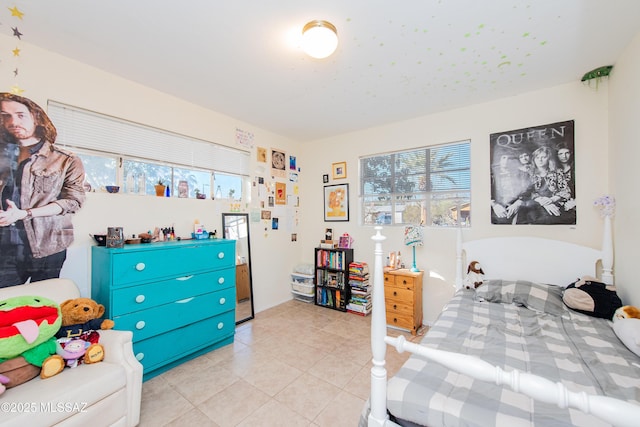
378	398
607	252
459	270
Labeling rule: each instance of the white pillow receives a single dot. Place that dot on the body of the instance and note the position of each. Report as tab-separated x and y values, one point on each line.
628	330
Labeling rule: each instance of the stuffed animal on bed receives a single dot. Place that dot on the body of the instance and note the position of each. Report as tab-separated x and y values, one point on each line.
626	312
589	296
626	325
475	275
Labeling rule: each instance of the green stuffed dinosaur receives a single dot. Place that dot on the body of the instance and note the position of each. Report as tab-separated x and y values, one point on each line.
28	325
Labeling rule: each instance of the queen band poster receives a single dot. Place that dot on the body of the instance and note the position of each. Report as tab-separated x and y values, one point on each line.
533	175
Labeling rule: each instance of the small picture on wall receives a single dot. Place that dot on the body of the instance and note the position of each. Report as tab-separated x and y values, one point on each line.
261	155
274	223
339	170
325	178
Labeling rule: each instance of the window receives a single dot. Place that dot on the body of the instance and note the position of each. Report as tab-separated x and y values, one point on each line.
227	186
136	157
430	186
99	170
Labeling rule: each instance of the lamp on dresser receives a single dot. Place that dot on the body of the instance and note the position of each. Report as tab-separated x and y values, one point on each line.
413	236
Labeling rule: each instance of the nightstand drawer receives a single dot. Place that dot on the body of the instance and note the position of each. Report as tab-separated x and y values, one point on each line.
400	307
404	321
141	297
160	319
397	294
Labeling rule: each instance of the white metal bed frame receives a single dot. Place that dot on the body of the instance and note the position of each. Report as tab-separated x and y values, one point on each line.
531	250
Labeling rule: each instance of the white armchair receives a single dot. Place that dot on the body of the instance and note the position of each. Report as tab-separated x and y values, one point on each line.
106	393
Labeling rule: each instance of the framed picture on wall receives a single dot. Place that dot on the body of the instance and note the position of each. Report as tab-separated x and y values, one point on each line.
336	202
339	170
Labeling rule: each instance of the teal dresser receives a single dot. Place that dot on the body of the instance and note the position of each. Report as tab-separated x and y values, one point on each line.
178	298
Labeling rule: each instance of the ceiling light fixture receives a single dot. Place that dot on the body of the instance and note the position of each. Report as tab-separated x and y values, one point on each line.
319	39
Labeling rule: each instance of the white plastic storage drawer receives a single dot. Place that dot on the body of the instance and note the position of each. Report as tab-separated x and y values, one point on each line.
302	283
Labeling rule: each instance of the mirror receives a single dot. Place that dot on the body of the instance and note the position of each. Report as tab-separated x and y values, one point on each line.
235	226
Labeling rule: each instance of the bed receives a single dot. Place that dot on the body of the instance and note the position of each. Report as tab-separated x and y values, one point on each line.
509	353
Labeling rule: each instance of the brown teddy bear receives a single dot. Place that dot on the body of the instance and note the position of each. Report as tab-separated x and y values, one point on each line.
81	319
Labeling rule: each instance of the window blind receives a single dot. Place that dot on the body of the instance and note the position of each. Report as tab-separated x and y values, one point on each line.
79	128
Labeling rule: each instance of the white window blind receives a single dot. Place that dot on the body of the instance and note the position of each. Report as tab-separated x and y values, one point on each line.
78	128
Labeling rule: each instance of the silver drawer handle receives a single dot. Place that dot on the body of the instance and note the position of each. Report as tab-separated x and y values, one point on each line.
140	324
140	299
220	325
220	255
185	277
139	356
223	300
140	266
184	301
221	280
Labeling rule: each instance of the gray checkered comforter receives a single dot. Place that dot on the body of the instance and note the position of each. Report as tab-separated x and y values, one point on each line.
580	351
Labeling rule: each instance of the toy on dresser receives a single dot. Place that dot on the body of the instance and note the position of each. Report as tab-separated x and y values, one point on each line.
77	339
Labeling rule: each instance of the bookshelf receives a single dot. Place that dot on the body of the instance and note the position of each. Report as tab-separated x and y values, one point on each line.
331	277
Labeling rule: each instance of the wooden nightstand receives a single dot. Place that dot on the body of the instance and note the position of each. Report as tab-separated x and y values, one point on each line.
403	296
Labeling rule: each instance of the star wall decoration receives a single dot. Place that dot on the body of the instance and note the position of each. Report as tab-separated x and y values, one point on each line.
16	90
15	12
17	52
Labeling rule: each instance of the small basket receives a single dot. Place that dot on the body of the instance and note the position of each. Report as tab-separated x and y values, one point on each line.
302	287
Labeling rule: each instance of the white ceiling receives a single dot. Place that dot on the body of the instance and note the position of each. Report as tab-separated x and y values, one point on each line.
396	59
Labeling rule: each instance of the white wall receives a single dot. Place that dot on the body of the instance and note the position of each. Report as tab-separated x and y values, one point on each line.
624	137
45	75
574	101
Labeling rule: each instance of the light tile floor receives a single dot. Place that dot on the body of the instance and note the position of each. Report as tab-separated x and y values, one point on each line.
296	364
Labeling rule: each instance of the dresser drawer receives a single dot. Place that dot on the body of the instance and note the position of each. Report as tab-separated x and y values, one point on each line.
166	317
141	266
398	294
141	297
400	306
404	321
163	349
398	281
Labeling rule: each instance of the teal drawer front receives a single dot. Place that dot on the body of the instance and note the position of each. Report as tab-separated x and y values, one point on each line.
160	350
166	317
141	266
141	297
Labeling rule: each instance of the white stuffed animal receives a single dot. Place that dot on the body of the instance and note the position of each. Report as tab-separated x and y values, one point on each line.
475	275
